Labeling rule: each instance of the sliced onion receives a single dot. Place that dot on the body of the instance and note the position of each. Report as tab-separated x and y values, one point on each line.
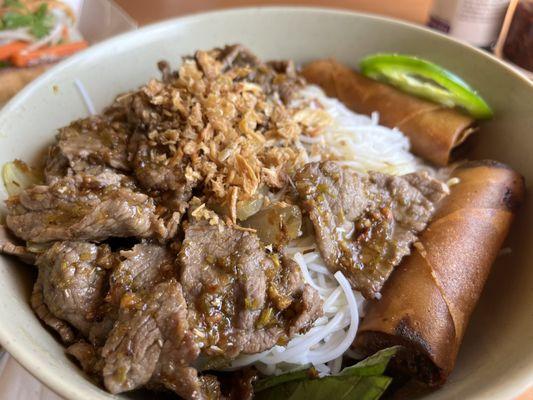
34	247
18	176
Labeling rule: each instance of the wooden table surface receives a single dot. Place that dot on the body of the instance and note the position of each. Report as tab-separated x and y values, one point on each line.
15	382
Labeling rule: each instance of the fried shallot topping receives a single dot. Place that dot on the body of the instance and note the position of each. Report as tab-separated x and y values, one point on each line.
223	122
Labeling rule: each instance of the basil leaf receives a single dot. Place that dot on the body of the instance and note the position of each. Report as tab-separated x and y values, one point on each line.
373	365
330	387
362	381
266	383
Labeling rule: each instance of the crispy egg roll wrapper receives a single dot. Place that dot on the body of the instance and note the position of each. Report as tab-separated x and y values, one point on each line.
433	130
427	301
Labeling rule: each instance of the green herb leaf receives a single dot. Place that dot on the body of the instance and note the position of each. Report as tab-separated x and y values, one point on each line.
39	22
4	64
373	365
303	374
362	381
13	20
42	22
330	387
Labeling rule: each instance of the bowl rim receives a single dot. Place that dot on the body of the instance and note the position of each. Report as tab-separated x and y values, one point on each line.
521	381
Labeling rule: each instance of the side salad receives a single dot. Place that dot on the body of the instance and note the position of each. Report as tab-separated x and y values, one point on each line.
37	31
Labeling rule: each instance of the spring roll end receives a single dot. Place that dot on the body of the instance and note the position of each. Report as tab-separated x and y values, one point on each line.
433	130
427	302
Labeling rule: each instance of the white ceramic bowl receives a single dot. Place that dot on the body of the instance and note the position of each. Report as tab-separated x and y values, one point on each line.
496	359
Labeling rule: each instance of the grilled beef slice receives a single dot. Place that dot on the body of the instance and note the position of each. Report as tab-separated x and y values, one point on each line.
365	224
83	207
89	145
134	271
8	245
151	344
241	299
141	268
71	286
87	356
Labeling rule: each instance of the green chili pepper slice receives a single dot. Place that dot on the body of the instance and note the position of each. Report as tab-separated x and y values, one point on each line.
425	79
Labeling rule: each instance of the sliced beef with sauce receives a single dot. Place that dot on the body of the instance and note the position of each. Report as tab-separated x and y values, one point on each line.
171	207
88	357
163	176
235	55
71	286
151	344
141	268
274	77
365	224
83	207
88	145
134	271
9	245
155	170
241	299
158	162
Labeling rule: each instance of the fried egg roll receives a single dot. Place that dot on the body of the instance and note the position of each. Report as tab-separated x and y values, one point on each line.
427	301
433	130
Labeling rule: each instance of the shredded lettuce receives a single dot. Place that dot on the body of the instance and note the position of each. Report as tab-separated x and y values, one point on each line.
39	22
363	381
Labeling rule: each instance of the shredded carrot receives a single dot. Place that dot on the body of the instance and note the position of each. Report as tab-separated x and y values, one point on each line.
51	53
8	50
65	33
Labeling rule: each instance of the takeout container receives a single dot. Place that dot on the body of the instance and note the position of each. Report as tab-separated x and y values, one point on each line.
496	359
102	19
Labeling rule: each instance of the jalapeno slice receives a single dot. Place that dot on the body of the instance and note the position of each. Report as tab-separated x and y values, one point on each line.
425	79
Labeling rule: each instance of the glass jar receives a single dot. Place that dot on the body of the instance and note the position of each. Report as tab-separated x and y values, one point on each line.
475	21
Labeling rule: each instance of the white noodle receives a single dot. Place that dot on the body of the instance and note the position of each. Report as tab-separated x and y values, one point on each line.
85	96
358	140
335	365
338	349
